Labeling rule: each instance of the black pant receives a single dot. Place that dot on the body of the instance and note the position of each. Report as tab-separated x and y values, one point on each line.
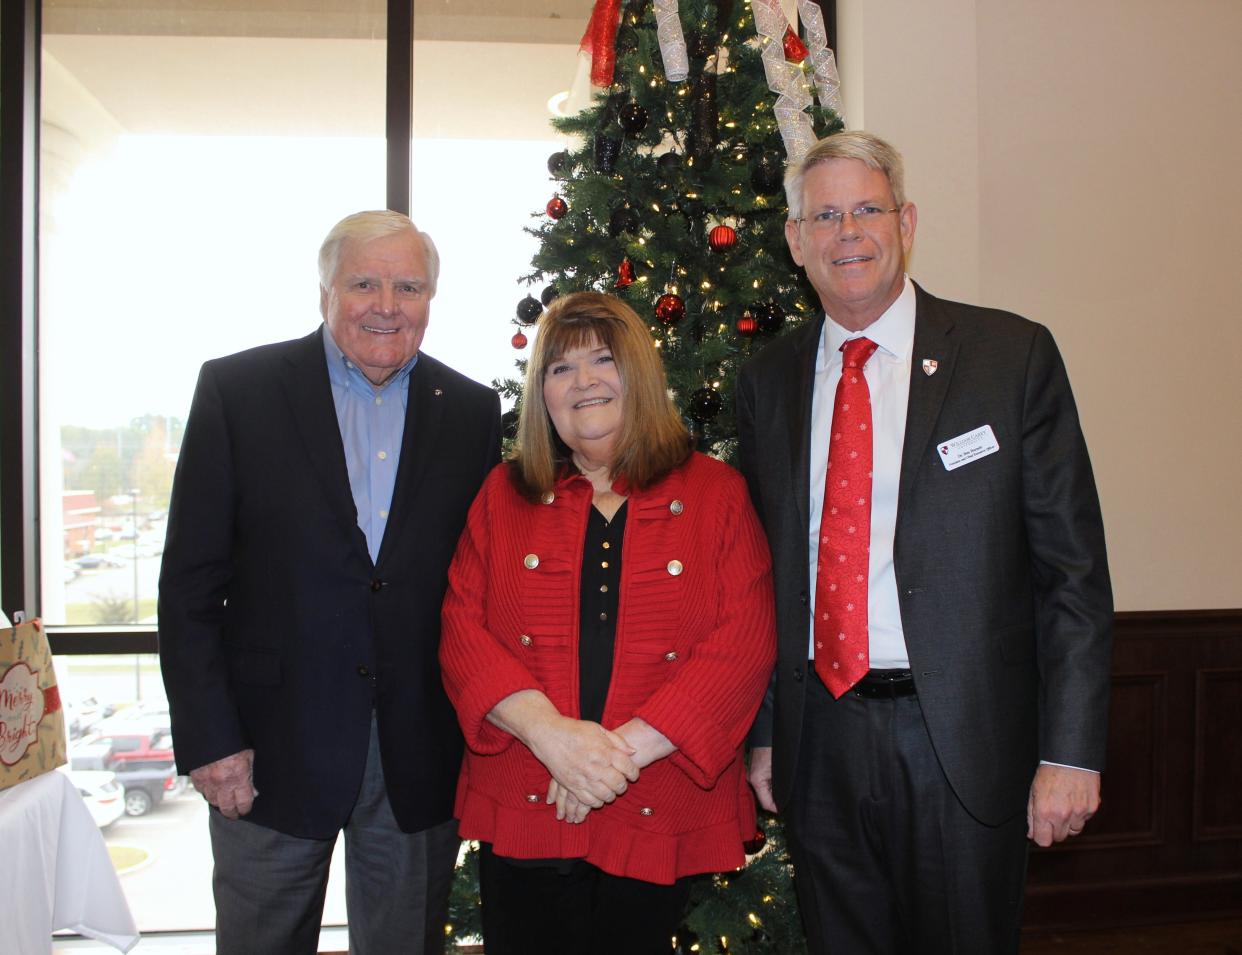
886	860
574	908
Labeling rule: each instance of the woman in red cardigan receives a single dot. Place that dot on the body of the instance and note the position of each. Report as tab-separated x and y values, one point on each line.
608	636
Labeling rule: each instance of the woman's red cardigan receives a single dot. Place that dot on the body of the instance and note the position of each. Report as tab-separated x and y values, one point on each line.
695	644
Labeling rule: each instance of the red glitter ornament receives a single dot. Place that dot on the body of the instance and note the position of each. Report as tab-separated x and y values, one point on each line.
722	238
518	341
747	325
670	309
795	49
625	273
557	207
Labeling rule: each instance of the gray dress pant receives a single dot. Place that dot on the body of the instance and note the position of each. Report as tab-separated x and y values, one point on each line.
269	887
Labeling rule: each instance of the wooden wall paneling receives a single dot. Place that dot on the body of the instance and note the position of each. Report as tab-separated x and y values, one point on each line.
1218	755
1167	842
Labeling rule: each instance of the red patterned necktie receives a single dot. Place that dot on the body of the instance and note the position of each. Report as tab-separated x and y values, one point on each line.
842	656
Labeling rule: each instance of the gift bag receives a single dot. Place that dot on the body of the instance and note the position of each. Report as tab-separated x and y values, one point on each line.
32	725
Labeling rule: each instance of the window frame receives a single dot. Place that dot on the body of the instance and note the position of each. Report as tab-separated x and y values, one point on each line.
20	55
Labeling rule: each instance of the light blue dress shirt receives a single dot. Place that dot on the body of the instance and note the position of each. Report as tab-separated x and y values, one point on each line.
372	423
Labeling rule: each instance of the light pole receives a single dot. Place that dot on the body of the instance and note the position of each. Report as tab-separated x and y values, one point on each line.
133	529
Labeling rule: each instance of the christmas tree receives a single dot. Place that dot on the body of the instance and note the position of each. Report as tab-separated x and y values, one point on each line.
672	196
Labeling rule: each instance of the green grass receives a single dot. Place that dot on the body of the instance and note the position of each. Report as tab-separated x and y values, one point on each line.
83	614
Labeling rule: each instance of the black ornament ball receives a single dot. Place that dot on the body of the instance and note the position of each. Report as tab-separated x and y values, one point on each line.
770	317
766	175
670	309
627	41
755	843
668	165
693	208
704	404
632	118
509	423
607	148
548	295
529	310
558	164
619	96
700	45
623	219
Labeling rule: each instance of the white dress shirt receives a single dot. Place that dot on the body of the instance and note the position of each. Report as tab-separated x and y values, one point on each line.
888	379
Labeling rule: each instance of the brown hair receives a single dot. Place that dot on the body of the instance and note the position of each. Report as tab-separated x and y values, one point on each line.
653	438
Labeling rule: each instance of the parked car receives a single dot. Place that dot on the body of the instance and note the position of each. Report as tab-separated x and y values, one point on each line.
99	789
97	561
146	780
82	715
136	739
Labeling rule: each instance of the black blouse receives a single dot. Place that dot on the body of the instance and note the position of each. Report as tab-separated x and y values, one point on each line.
598	601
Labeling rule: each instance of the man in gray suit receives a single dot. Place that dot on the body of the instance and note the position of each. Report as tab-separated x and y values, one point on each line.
943	600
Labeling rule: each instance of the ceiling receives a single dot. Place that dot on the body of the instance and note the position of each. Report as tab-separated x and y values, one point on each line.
299	68
485	21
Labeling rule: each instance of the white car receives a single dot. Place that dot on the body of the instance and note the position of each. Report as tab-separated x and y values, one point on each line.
103	795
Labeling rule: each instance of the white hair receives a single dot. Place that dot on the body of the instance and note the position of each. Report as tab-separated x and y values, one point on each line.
365	226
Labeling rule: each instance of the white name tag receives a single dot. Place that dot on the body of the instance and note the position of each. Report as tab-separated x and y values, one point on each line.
968	447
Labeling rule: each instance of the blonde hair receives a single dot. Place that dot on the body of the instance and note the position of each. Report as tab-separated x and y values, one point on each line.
867	148
653	438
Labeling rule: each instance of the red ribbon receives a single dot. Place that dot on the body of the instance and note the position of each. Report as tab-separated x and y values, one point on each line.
600	40
51	699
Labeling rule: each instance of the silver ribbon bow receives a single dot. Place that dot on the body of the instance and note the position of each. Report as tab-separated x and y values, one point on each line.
672	41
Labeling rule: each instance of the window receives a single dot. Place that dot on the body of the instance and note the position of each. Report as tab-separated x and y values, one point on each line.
191	157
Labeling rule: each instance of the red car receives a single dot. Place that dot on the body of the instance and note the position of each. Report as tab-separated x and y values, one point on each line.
137	745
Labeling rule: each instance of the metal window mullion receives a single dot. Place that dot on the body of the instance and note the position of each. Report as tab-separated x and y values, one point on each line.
19	151
399	103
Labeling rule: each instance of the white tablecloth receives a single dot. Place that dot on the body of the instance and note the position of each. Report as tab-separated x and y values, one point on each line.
55	872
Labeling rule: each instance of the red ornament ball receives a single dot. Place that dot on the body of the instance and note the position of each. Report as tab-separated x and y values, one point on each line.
557	207
755	843
795	50
722	238
670	309
518	341
747	325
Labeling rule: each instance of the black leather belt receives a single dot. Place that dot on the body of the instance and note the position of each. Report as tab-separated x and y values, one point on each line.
884	685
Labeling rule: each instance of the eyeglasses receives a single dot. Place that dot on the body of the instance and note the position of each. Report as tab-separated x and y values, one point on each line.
830	220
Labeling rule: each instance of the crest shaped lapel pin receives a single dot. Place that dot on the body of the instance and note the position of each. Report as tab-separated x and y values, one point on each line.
930	365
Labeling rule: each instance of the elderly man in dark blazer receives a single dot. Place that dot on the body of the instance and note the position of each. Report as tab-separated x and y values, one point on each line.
943	600
319	495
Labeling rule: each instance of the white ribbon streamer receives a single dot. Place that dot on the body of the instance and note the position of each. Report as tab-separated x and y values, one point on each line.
823	60
786	80
672	41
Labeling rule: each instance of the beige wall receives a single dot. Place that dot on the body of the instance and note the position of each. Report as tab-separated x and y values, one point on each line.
1029	130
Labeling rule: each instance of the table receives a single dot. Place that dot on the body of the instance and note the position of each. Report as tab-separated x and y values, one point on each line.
55	872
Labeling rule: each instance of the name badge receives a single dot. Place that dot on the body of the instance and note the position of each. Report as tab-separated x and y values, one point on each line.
967	447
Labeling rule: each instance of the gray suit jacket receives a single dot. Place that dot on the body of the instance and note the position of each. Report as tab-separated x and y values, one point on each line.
1000	564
